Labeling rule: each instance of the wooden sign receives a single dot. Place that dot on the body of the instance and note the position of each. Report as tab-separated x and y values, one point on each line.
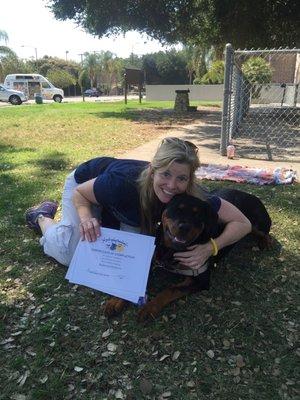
134	77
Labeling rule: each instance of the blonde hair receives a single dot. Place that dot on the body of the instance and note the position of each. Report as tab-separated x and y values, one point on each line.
170	149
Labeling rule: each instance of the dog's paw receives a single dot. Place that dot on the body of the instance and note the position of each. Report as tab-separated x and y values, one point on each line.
148	311
266	243
114	306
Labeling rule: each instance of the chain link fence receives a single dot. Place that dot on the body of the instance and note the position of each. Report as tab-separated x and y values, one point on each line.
261	106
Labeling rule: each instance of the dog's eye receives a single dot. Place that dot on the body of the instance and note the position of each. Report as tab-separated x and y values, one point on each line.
195	210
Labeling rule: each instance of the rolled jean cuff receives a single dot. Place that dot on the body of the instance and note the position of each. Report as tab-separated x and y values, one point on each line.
60	242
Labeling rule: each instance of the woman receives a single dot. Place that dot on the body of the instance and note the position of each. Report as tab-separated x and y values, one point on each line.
131	195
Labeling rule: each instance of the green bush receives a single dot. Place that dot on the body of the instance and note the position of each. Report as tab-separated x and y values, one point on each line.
197	81
257	70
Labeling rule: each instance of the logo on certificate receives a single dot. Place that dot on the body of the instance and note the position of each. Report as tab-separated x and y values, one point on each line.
115	245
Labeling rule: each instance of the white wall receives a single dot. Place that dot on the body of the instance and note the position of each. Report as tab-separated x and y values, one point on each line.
273	93
197	92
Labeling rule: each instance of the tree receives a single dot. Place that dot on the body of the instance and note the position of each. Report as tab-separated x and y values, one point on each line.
244	23
61	78
151	72
197	58
92	67
44	65
3	36
83	80
10	63
171	66
4	50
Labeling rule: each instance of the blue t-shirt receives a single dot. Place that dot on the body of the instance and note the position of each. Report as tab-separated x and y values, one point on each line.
92	168
115	187
215	203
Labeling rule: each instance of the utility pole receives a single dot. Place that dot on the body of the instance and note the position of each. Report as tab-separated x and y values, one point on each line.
81	57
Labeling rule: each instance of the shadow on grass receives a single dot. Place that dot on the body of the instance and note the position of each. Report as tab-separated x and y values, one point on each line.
55	161
6	152
154	116
24	190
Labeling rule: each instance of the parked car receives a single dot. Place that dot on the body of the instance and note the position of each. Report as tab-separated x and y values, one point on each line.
14	97
92	92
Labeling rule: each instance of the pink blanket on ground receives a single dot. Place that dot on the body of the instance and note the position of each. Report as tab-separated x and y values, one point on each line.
237	173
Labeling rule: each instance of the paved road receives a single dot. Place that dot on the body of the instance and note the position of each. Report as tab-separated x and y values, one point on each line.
78	99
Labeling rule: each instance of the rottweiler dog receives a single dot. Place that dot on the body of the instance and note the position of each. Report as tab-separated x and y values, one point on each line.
187	221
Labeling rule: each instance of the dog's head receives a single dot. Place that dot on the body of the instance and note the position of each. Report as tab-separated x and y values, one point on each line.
187	220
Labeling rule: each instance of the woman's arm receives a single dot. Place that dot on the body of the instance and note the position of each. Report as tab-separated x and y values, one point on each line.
236	227
83	198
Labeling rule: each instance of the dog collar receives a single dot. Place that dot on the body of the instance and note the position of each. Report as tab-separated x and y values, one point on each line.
175	269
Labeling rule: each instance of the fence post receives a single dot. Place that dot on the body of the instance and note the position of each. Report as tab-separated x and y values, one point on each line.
227	92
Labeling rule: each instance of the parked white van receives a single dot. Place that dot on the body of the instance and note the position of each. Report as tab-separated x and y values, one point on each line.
32	84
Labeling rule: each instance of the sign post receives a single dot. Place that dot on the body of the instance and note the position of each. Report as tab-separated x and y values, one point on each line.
134	77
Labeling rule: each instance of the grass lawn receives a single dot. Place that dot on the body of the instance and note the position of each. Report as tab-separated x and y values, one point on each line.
237	341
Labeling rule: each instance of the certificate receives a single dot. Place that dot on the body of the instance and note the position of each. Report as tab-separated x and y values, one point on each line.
117	263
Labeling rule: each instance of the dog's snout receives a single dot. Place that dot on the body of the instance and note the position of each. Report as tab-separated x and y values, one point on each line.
184	227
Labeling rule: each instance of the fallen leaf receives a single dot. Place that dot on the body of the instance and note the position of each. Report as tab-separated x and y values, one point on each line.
119	394
9	340
240	361
165	395
236	303
210	354
44	379
164	357
106	354
175	355
107	333
112	347
191	384
78	369
21	381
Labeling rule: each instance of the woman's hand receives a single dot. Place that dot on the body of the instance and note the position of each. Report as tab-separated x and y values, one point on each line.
83	199
89	229
196	255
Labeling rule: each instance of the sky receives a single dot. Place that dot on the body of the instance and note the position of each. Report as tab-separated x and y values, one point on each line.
32	29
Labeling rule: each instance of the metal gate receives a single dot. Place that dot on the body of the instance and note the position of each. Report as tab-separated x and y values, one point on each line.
261	106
